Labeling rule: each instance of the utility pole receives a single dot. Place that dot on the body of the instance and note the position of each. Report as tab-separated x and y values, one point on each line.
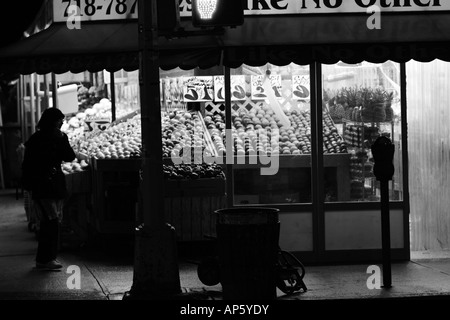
156	273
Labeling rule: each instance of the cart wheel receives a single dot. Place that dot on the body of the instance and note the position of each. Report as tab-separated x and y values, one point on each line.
290	273
208	271
287	258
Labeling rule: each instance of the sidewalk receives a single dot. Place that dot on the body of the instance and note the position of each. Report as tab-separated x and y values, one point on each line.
108	276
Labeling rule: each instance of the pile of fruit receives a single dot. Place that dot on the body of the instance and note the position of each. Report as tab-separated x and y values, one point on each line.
120	141
182	131
74	166
87	97
332	141
75	126
193	171
261	132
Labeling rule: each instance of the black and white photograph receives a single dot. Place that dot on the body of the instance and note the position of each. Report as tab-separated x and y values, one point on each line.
225	158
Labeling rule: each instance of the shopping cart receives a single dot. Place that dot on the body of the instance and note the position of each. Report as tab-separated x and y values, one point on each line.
290	272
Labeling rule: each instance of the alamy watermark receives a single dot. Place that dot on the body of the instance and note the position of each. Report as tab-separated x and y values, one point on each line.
258	147
374	280
374	21
73	17
74	280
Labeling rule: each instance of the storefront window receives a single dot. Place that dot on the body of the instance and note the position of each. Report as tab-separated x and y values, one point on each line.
271	121
363	102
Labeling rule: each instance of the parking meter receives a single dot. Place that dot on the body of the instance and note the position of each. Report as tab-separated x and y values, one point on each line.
383	154
383	169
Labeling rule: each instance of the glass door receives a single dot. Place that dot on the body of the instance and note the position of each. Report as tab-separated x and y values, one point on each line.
360	102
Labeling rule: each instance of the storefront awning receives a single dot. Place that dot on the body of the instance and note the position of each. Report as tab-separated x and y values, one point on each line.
96	46
276	39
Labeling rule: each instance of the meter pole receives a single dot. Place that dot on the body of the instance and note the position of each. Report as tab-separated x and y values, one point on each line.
383	154
385	233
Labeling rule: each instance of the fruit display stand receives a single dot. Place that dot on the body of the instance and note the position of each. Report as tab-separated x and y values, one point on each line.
189	203
74	231
115	184
191	194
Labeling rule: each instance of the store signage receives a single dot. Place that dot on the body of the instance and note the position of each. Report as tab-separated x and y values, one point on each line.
197	89
97	123
259	92
271	7
237	85
300	87
95	10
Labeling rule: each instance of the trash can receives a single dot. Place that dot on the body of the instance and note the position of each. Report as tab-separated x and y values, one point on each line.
247	243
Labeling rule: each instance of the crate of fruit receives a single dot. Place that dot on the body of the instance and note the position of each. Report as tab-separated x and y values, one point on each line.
194	180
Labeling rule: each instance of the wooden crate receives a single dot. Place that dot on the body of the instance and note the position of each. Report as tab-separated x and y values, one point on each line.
193	217
189	204
192	188
74	231
78	182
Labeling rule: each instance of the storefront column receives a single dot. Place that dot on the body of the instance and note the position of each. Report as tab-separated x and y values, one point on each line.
156	271
317	158
405	164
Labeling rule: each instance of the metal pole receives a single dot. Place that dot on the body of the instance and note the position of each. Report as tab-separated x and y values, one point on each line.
20	96
385	233
38	97
156	271
32	104
151	118
54	91
46	91
113	96
25	113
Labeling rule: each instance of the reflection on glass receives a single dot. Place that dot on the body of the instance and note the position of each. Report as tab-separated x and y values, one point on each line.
363	101
126	92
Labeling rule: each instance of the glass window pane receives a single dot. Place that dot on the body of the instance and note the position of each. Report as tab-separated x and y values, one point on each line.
363	102
271	121
126	89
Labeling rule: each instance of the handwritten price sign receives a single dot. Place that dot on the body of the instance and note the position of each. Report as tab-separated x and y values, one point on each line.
258	91
97	124
238	86
300	87
95	9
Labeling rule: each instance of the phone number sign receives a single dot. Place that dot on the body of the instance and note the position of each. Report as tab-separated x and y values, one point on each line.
88	10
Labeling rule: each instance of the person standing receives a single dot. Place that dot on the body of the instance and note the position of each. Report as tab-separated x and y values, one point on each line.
45	150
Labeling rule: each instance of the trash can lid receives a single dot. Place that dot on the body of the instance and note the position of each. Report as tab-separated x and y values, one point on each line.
247	215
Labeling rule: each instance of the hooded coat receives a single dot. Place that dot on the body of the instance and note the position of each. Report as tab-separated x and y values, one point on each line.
46	149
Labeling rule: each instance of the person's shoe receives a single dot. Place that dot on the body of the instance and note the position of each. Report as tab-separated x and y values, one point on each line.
51	265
